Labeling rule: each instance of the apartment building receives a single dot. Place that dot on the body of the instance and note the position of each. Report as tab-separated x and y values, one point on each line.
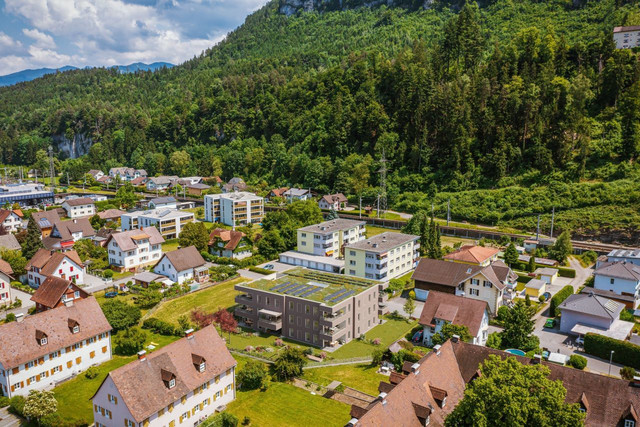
168	221
316	308
51	346
135	249
11	220
330	237
182	383
82	206
382	257
237	208
65	265
626	37
127	174
5	282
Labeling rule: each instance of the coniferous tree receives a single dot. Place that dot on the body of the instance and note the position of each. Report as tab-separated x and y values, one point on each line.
511	255
32	241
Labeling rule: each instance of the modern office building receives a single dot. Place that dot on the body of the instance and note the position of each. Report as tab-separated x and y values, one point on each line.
168	221
317	308
25	194
237	208
330	237
382	257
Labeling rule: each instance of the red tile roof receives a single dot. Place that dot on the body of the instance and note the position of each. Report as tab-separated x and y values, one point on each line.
52	289
47	261
474	254
231	237
454	309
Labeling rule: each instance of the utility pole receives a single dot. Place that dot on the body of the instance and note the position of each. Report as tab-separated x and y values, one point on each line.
51	169
378	206
383	184
553	214
538	229
360	210
448	211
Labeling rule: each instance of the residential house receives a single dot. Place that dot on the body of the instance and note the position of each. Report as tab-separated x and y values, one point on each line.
627	300
145	278
430	389
5	283
441	309
336	202
11	220
297	194
160	183
105	180
329	238
64	265
141	180
316	308
235	209
127	174
9	242
229	244
189	180
45	220
626	37
474	255
234	185
485	283
79	207
169	221
180	384
111	214
168	202
276	192
197	189
102	236
620	277
382	257
52	346
96	174
98	197
535	288
589	313
547	274
631	256
538	260
135	249
65	233
183	265
56	292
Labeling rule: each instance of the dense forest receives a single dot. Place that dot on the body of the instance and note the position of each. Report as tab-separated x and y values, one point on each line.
507	110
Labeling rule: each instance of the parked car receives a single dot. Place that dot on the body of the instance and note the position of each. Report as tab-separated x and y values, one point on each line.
580	340
417	337
547	296
550	323
269	267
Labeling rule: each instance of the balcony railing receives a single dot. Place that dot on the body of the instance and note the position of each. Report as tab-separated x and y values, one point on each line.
274	325
244	299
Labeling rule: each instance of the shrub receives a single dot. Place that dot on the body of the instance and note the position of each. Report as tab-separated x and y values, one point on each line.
246	421
308	351
223	419
376	341
10	318
558	298
130	341
108	273
323	355
566	272
542	299
120	314
625	353
503	311
412	294
92	372
627	315
494	340
160	327
4	401
577	361
589	257
253	375
16	405
376	356
278	342
627	373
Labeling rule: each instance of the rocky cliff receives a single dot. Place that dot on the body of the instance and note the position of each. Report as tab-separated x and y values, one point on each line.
73	148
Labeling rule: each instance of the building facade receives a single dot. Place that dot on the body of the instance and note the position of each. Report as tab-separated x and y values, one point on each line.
183	265
621	278
11	220
382	257
135	249
5	283
230	244
626	37
330	237
79	207
54	345
55	292
169	221
25	194
65	265
235	209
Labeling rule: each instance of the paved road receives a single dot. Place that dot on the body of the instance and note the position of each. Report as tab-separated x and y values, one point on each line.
8	420
26	303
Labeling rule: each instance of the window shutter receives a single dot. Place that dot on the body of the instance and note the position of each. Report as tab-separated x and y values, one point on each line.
51	371
104	349
184	399
21	384
16	370
115	400
37	377
13	388
180	419
172	423
170	407
110	415
26	366
102	411
69	364
125	423
60	367
78	360
95	408
41	361
92	354
28	381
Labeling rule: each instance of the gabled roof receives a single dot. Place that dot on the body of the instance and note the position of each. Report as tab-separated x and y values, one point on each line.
46	219
5	267
4	214
9	242
185	258
230	236
163	200
593	305
296	192
66	229
139	180
198	186
279	192
80	201
111	214
474	254
141	383
126	240
443	273
161	180
51	291
332	198
454	309
55	324
48	261
625	29
94	172
620	270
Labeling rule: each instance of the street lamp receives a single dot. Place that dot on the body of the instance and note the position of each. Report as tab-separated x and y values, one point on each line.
610	361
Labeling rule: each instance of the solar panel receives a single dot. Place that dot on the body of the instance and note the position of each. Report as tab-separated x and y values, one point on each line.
278	286
299	292
330	296
289	286
611	305
310	291
343	296
293	289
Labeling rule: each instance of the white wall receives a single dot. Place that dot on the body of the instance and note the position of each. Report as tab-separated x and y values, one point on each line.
12	223
5	289
79	211
627	40
569	319
67	269
618	286
167	269
144	254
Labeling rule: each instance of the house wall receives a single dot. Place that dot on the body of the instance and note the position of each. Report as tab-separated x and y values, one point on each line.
479	339
314	265
167	269
627	39
67	269
619	286
399	261
569	319
61	363
145	254
5	289
197	404
534	293
225	210
486	292
72	293
422	288
79	211
12	223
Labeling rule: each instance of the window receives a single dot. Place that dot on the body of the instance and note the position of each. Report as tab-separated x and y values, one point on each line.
352	262
629	423
487	284
202	367
76	329
352	253
352	272
43	341
475	292
172	383
611	280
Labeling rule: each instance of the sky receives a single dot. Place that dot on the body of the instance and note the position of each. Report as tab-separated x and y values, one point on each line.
55	33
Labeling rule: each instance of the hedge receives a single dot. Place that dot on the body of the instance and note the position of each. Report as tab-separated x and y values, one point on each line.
625	352
566	272
261	270
160	327
558	298
524	278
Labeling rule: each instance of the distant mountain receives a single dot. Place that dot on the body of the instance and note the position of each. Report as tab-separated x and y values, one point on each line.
28	75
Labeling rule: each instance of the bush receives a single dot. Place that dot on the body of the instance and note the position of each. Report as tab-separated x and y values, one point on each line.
558	298
261	270
627	373
376	341
120	314
577	361
566	272
494	340
16	405
625	353
503	311
160	327
108	273
130	341
4	401
253	375
92	372
10	318
589	257
223	419
627	315
412	294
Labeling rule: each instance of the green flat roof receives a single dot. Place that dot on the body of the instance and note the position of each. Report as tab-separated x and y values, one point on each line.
313	285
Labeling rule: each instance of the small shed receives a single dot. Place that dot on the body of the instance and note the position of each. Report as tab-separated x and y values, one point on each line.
535	288
547	274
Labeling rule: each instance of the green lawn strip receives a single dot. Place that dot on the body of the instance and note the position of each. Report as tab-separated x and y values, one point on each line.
240	342
372	230
170	245
209	299
388	332
73	396
286	405
362	377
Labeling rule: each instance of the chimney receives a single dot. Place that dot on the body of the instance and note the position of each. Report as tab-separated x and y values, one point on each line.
436	349
537	359
142	355
19	317
415	368
75	221
383	397
68	302
188	333
455	338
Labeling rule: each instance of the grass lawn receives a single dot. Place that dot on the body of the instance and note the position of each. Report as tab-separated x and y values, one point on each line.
265	340
170	245
372	230
388	332
451	241
362	377
209	300
285	405
73	396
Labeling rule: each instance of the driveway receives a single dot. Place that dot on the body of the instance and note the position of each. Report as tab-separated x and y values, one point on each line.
278	267
7	419
398	304
26	305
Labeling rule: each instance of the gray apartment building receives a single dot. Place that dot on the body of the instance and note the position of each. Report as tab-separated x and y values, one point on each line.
313	307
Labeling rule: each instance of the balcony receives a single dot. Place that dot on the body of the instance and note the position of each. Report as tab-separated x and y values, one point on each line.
244	311
269	320
244	299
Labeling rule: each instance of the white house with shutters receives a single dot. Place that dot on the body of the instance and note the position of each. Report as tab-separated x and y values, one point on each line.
46	348
5	283
45	263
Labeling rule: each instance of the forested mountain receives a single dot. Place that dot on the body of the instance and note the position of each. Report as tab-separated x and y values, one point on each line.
513	93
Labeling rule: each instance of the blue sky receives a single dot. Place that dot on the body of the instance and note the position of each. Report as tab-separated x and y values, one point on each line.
54	33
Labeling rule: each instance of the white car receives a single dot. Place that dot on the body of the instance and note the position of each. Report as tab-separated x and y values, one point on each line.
580	340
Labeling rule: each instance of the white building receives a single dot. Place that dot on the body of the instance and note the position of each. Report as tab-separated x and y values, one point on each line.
621	278
329	238
180	384
238	208
127	174
160	183
134	249
168	202
626	37
295	194
65	265
182	265
5	282
168	221
382	257
49	347
11	220
631	256
82	206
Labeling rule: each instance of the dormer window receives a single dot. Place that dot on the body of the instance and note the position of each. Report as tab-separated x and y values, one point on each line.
169	378
74	326
202	367
76	329
172	383
43	341
41	337
199	362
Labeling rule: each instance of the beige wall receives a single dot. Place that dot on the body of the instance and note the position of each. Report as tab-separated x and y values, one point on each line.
489	294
